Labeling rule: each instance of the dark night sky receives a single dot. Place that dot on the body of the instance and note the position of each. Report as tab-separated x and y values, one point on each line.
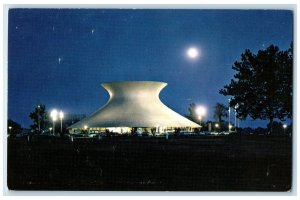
59	57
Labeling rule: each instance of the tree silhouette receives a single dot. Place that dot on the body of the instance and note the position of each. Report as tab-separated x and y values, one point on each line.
220	111
262	86
13	128
40	118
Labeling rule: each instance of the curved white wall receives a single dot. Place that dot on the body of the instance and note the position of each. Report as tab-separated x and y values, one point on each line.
134	104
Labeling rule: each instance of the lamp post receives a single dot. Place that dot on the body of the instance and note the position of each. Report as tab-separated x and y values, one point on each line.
229	126
9	130
201	111
54	117
200	118
61	116
39	122
284	127
235	119
217	126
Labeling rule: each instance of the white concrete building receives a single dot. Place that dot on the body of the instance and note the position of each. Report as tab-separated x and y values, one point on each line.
133	104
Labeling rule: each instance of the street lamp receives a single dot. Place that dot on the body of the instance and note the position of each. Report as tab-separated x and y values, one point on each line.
229	116
200	111
53	115
61	116
217	126
200	118
39	122
9	130
284	127
229	126
235	119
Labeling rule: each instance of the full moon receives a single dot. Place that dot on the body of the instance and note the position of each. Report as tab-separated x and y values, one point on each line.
192	52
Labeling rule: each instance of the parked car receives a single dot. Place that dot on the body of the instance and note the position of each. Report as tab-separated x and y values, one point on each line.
214	133
157	134
78	134
224	133
92	135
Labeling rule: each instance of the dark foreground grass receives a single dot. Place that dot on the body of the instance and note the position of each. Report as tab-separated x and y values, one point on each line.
231	163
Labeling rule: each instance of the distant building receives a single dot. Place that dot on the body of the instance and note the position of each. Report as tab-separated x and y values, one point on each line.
134	105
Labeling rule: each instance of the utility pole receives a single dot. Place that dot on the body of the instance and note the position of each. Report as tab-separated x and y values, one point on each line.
229	115
39	122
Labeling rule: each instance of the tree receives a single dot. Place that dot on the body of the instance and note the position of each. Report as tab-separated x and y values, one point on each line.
40	118
13	128
262	86
220	111
286	81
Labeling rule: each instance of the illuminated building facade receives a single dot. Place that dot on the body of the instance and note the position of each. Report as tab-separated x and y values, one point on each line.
134	105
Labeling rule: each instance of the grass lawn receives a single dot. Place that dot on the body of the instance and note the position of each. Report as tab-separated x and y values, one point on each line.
227	163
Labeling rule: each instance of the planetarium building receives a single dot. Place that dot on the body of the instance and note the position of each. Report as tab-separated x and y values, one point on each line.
134	105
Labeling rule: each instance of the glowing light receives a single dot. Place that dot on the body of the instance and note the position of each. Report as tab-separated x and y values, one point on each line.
53	114
201	111
284	126
216	125
192	53
85	127
61	114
